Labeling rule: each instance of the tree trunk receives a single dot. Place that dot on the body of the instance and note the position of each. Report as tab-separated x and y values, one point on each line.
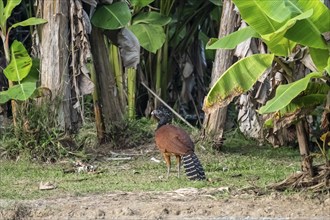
306	159
214	122
112	108
54	66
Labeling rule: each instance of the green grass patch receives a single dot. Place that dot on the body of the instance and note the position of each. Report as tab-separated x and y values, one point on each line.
241	163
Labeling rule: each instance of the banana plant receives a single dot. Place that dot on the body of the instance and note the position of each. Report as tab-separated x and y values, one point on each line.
273	22
144	26
284	26
18	61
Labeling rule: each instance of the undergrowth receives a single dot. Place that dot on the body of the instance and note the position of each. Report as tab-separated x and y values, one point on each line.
37	135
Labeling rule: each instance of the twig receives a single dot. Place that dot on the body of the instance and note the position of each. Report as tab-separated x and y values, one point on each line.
121	158
172	110
124	154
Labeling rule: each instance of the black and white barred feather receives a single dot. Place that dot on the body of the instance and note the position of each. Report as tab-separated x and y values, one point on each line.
193	167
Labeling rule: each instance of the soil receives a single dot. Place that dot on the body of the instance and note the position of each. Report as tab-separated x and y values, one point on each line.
188	203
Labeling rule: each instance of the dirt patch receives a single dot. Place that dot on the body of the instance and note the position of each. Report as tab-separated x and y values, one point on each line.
178	204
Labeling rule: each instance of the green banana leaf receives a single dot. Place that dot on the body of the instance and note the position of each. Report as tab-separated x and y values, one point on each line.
327	68
308	32
286	93
2	16
232	40
320	57
151	37
141	3
253	12
111	17
276	41
4	97
20	63
33	75
11	4
30	21
216	2
265	18
151	18
21	91
238	79
306	103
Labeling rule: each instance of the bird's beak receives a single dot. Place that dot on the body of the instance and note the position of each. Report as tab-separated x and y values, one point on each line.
154	114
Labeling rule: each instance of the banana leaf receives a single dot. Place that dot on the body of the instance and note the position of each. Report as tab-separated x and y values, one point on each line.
11	4
151	37
151	18
308	32
320	57
141	3
232	40
30	21
111	17
21	91
286	93
238	79
304	103
20	63
4	97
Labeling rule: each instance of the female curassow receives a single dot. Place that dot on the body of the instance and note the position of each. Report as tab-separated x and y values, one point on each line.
174	141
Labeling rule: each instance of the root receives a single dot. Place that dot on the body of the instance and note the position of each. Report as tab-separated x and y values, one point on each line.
302	180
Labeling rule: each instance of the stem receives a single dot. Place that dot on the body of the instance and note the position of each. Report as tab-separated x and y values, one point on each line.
100	130
306	159
131	88
115	61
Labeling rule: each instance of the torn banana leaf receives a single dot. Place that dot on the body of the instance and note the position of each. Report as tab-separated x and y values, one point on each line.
286	93
238	79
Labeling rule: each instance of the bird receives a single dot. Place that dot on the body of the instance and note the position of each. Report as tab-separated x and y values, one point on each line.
174	141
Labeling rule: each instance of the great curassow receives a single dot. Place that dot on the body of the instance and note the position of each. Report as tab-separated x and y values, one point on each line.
174	141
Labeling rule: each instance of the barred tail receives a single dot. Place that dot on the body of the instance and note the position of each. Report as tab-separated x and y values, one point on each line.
193	167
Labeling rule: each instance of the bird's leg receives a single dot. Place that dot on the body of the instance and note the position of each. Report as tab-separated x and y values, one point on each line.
178	163
168	163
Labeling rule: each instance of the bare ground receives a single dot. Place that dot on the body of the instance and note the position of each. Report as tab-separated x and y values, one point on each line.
180	204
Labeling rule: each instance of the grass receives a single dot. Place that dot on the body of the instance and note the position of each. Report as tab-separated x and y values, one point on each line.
241	163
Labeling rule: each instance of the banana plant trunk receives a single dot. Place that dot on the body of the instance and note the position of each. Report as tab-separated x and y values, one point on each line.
214	122
55	60
112	108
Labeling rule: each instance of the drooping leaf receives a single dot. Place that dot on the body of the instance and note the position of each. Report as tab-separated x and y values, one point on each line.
151	37
4	97
276	10
308	32
22	91
33	75
30	22
239	78
11	4
317	88
151	18
253	13
320	57
2	16
141	3
111	17
276	41
304	102
216	2
286	93
232	40
20	63
327	68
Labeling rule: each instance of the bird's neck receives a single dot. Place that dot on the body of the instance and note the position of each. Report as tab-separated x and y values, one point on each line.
162	122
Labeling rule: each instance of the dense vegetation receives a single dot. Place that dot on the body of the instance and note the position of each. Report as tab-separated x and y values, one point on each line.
111	64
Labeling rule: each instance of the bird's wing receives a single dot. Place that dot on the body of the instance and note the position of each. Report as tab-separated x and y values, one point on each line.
174	140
